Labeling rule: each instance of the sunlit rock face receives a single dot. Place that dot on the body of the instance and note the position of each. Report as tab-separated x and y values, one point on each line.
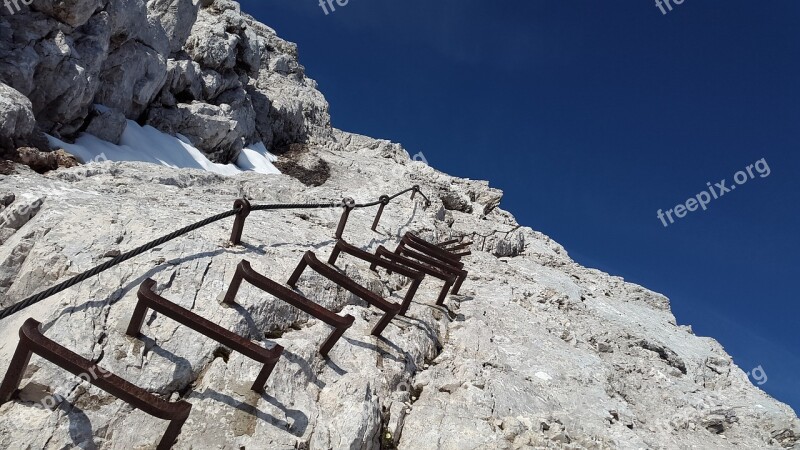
201	69
536	351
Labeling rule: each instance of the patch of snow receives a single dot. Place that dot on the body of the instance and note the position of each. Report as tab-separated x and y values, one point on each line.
147	144
257	159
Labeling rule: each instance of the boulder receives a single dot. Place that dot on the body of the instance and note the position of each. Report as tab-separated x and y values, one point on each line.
16	116
67	72
107	124
131	20
177	18
131	78
221	131
211	45
184	83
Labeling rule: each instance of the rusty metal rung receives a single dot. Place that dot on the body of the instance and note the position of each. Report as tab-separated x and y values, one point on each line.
329	272
445	267
448	242
431	250
32	341
150	300
460	246
375	260
448	278
245	272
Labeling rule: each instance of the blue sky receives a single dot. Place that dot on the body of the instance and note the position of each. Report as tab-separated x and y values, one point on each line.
592	116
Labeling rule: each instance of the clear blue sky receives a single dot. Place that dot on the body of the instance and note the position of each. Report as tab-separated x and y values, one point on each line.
591	116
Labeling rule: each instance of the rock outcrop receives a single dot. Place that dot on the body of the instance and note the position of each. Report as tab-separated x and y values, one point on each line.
201	69
16	117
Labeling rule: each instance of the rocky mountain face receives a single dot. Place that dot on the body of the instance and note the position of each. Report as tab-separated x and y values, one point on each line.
203	69
535	351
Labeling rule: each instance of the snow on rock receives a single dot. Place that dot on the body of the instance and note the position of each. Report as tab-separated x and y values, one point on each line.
147	144
256	158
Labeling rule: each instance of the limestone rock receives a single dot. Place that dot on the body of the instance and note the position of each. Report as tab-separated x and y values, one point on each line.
213	83
131	77
73	12
176	17
16	115
107	124
131	20
135	56
67	74
222	131
211	46
491	370
290	108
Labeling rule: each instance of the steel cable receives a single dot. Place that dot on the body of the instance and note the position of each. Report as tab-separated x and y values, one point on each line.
32	300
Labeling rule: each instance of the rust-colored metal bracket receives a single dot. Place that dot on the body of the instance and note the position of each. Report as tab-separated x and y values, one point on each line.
448	278
421	245
244	272
329	272
451	248
415	276
438	255
448	242
347	204
417	190
31	340
150	300
459	273
384	201
238	225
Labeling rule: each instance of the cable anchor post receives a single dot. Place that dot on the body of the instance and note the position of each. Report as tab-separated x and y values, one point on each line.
348	204
244	208
384	201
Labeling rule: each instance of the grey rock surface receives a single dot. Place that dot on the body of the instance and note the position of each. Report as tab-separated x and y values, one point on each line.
176	17
107	124
132	76
535	352
16	115
162	61
72	12
218	130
